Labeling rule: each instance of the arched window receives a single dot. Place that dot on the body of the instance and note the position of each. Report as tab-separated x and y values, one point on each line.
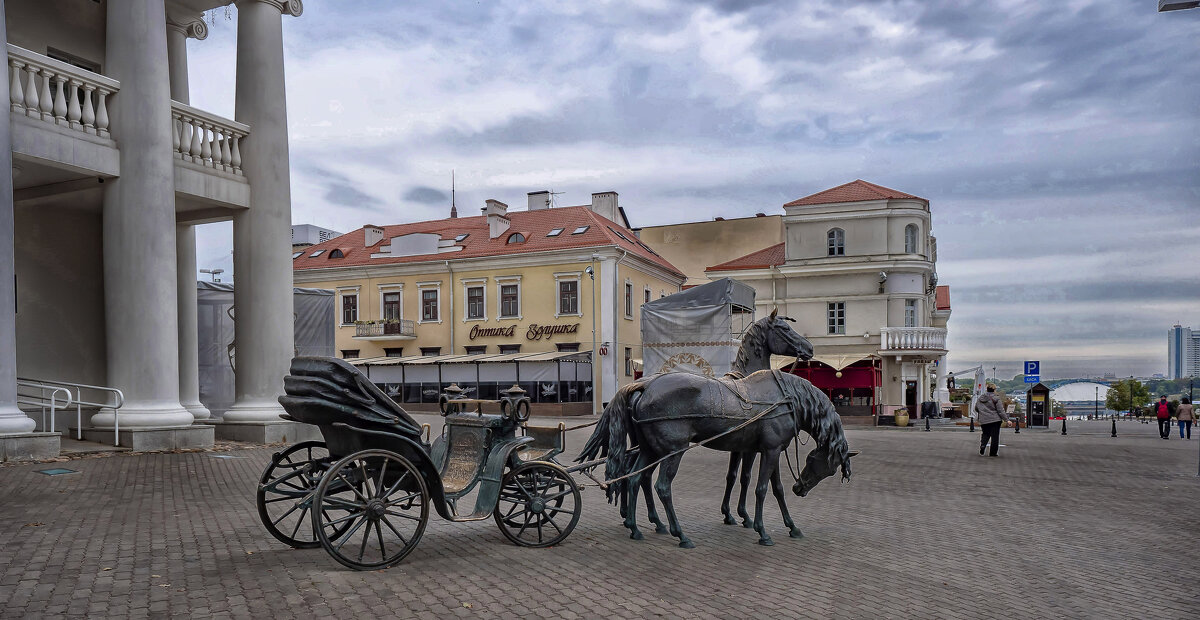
516	238
336	254
837	242
910	239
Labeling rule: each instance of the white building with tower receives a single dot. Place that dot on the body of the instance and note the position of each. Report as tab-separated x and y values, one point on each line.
111	171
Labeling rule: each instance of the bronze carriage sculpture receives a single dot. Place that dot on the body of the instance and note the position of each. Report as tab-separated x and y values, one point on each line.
364	493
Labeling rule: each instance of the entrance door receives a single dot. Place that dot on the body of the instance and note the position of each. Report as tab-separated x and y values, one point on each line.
910	398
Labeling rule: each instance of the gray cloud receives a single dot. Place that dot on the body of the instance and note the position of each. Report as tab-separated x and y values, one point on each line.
426	195
350	196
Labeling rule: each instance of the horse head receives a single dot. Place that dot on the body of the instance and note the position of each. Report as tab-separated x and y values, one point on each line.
783	340
822	463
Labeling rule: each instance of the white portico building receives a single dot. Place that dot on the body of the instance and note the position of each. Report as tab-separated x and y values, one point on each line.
111	171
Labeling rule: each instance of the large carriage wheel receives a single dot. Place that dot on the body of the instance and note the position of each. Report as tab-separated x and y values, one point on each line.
539	505
285	492
373	509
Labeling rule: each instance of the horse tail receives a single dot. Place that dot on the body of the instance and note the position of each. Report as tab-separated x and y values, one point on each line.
597	445
619	412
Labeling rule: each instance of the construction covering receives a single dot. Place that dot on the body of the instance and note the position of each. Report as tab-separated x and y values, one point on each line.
313	315
698	330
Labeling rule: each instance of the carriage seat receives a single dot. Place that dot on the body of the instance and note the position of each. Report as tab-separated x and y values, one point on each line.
547	443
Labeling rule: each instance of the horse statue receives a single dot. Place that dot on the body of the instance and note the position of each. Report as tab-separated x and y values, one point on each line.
761	413
772	335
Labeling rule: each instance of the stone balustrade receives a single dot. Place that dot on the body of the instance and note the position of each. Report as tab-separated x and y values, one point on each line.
913	339
207	139
59	93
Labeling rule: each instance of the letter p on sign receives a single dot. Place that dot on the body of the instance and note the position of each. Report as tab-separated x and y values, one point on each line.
1033	368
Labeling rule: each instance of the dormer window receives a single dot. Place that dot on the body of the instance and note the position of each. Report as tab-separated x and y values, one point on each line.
554	233
336	253
836	242
316	254
516	238
580	230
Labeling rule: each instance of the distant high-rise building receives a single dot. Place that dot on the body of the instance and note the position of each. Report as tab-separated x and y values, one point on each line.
304	235
1183	352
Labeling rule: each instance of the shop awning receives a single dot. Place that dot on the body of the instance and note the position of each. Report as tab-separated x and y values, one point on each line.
837	362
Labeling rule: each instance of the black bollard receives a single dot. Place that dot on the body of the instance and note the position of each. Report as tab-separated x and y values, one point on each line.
972	425
1018	423
926	423
1064	431
1114	430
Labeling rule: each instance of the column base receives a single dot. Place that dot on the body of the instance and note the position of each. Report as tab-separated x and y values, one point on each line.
263	411
29	446
145	416
198	411
275	431
13	420
152	439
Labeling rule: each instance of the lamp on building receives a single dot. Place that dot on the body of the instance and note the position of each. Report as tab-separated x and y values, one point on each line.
214	273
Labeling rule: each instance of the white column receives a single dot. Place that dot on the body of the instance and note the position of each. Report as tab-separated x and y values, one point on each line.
941	392
262	269
185	235
141	309
12	419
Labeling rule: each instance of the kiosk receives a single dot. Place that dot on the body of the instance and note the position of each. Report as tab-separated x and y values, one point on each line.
1037	404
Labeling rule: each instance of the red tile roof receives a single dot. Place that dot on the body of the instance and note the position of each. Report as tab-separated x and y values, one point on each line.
766	257
854	191
534	225
942	297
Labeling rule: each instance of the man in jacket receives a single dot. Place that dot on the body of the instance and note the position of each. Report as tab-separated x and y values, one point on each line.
1162	411
990	411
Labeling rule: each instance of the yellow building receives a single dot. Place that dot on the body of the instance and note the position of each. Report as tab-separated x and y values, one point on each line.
483	297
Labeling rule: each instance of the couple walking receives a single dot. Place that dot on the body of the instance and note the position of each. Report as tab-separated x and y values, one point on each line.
990	411
1184	413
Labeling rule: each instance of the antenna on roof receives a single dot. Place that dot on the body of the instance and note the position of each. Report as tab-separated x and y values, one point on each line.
553	200
453	207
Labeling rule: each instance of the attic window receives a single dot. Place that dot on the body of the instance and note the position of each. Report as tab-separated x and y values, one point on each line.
336	253
315	254
461	237
296	255
554	233
618	233
516	238
580	230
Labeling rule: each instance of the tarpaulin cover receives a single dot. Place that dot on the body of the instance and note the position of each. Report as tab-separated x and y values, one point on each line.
694	330
313	313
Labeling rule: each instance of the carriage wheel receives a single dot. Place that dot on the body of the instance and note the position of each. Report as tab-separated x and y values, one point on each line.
285	490
539	505
373	509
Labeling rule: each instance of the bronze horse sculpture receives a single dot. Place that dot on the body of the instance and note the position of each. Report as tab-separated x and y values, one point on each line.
772	335
663	415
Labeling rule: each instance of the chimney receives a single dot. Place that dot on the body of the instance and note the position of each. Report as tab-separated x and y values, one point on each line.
539	200
497	218
605	204
372	235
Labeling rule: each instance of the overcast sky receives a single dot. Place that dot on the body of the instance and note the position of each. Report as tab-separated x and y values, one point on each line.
1056	140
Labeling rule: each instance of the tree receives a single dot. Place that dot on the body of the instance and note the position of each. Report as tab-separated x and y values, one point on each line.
1058	409
1118	395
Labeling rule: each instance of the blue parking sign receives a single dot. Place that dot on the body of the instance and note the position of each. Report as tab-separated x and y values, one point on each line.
1033	368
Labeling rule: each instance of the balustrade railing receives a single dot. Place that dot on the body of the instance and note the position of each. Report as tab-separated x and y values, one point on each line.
913	338
59	93
207	139
402	327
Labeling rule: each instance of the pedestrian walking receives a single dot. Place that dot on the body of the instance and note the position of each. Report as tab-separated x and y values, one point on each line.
1185	414
990	411
1163	412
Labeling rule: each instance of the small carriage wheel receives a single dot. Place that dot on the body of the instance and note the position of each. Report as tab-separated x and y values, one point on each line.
285	491
539	505
373	509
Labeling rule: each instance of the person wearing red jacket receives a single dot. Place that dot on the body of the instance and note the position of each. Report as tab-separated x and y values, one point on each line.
1163	412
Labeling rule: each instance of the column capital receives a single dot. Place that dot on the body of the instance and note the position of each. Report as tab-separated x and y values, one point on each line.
292	7
190	28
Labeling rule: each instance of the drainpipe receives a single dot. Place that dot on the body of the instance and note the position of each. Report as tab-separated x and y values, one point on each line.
450	270
774	297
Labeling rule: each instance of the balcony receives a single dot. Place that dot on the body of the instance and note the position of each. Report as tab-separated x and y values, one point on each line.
392	329
901	340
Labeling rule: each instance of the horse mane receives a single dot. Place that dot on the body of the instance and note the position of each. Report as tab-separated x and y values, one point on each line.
754	338
815	411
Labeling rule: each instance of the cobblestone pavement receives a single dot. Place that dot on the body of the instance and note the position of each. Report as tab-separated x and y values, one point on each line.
1082	526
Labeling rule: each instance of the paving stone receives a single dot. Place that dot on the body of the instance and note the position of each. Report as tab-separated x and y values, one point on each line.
1077	526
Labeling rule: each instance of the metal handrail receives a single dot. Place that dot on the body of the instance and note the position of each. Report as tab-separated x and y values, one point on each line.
118	401
41	401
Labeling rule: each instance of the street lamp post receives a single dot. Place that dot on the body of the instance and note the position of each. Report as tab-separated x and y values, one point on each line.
591	271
